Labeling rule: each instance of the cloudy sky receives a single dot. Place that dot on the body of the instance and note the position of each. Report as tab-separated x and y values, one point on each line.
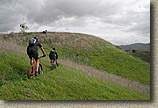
117	21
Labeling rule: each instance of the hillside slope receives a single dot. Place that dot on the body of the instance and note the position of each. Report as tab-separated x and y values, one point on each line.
89	50
143	55
63	83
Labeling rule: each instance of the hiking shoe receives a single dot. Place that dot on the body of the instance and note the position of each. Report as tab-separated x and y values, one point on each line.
36	73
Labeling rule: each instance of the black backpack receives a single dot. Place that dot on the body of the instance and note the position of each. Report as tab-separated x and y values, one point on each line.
52	54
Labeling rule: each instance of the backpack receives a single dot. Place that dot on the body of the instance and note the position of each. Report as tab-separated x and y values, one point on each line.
32	41
52	54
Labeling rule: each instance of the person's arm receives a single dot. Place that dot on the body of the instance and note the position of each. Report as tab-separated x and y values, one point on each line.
44	54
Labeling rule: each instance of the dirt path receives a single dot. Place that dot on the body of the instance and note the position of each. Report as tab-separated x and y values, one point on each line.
108	77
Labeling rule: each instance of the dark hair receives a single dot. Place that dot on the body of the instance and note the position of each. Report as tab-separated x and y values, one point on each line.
53	48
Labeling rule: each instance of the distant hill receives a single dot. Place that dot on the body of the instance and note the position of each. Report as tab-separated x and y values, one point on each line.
136	46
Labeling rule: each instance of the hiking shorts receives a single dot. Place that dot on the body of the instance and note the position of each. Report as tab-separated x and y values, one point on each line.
52	58
32	52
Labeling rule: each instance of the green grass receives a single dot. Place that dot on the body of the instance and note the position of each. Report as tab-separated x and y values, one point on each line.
143	55
91	51
111	61
12	67
63	83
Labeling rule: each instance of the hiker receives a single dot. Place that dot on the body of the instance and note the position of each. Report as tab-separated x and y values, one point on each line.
53	56
32	52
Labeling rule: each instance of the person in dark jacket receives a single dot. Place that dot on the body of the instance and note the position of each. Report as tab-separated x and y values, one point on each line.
32	52
53	56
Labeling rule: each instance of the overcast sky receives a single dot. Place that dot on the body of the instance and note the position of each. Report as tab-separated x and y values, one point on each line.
117	21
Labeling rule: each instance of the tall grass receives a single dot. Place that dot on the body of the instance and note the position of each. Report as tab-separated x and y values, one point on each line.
63	83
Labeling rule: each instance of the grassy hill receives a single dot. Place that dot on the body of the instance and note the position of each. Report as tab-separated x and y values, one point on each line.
143	55
62	83
66	83
89	50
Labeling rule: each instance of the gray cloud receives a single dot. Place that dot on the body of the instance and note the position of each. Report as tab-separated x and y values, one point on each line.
98	17
52	10
143	24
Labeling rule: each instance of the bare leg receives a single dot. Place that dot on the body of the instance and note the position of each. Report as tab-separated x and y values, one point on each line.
31	61
56	62
37	65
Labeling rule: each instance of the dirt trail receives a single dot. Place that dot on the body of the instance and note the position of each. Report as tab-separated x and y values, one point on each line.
108	77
